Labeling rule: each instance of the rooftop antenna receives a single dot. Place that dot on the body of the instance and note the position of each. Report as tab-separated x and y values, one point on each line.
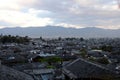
118	1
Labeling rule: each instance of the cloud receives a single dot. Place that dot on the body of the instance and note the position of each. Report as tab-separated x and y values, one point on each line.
15	4
83	12
67	13
69	25
17	18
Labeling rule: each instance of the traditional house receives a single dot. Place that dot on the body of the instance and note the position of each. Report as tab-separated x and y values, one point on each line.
13	59
97	53
81	69
41	74
7	73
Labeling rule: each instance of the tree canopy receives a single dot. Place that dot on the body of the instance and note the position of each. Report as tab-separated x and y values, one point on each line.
13	39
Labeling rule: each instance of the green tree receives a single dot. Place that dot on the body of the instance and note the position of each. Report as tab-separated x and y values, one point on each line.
107	48
81	39
54	59
103	60
15	39
83	52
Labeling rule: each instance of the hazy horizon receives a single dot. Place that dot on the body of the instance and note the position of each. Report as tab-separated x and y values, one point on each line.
57	31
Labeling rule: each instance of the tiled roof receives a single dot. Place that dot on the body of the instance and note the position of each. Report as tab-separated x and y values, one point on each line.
7	73
81	68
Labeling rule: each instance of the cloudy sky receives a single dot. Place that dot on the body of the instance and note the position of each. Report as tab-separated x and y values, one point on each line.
67	13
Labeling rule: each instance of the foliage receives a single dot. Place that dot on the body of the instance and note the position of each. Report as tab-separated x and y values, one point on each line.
103	60
50	59
83	53
70	38
106	48
81	39
50	67
54	59
92	59
13	39
42	60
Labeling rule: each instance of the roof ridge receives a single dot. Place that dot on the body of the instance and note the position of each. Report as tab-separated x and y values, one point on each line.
87	62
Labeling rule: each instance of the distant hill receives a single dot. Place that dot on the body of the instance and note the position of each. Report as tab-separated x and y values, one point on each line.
57	31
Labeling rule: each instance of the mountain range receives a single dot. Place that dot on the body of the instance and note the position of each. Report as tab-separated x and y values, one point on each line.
57	31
